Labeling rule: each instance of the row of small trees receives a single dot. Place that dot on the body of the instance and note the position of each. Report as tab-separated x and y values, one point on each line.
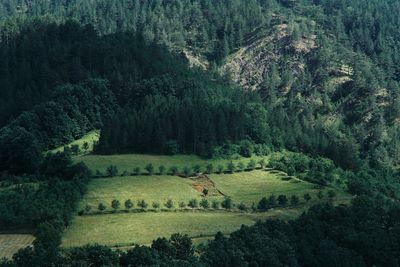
282	200
230	167
169	204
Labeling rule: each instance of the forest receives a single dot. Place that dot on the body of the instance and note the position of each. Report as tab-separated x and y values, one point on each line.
126	68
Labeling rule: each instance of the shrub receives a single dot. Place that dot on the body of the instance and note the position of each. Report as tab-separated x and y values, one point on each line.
220	169
261	162
88	208
246	148
136	171
331	194
205	191
156	205
320	194
282	200
169	204
263	204
197	169
294	200
242	206
193	203
272	201
173	170
215	204
112	171
142	204
75	149
161	169
241	166
149	168
187	172
182	205
231	167
101	207
251	165
204	203
209	168
115	204
227	203
128	204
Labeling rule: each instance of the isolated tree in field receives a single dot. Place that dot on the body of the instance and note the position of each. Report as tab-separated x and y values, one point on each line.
251	165
204	203
241	166
156	205
231	167
169	204
85	146
101	207
294	200
136	171
197	169
220	169
128	204
161	169
320	194
173	170
112	171
193	203
149	168
209	168
282	200
307	197
205	191
187	171
115	204
262	163
215	204
263	204
227	203
142	204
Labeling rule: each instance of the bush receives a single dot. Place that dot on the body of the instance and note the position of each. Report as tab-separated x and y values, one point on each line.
88	208
263	204
272	201
173	170
231	167
187	172
261	162
156	205
136	171
331	194
220	169
227	203
182	205
193	203
251	165
241	166
169	204
115	204
197	169
142	204
246	148
282	200
161	169
128	204
242	206
209	168
307	197
294	200
149	168
112	171
215	204
101	207
320	194
205	191
204	203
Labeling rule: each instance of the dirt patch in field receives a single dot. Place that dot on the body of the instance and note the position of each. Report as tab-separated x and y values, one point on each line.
203	181
11	243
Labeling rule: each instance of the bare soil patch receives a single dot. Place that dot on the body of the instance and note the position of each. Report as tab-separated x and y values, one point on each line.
203	181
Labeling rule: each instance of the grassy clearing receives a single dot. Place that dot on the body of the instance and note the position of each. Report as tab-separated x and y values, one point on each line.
11	243
91	138
157	188
126	228
130	161
250	187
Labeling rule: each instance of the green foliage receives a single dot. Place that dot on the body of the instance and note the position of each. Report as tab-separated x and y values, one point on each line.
101	207
263	204
112	171
209	168
115	204
128	204
142	204
161	169
282	200
204	203
227	203
169	204
193	203
149	168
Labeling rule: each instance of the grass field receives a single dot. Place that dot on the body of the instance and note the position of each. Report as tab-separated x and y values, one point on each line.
141	228
11	243
91	138
130	161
